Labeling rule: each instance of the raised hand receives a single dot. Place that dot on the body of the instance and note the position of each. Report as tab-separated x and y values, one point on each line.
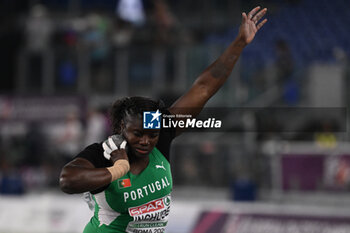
250	24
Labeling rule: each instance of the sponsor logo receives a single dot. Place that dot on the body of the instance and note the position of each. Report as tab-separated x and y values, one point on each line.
167	200
151	120
156	210
148	224
147	208
161	166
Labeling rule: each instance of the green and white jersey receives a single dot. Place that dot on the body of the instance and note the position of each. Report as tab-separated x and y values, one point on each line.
134	203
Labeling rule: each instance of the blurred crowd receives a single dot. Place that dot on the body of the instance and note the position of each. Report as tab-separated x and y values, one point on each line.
34	31
80	48
33	152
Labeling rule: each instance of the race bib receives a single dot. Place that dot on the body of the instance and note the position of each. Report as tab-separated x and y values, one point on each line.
151	217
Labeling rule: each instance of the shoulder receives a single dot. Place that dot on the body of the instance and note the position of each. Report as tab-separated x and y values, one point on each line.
94	153
96	147
92	149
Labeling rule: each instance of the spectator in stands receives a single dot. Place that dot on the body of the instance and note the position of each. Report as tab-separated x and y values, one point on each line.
39	29
35	145
96	40
70	136
153	19
38	33
95	127
285	70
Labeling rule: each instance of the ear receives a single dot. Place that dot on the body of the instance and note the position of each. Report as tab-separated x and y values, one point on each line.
122	127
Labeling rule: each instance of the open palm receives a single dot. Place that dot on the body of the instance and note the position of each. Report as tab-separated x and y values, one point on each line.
250	24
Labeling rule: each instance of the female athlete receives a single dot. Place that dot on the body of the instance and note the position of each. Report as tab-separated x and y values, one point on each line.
129	174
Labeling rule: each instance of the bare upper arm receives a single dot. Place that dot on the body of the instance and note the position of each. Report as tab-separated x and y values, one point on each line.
80	175
192	102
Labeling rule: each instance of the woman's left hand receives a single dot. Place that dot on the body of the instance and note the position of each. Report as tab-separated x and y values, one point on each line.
250	24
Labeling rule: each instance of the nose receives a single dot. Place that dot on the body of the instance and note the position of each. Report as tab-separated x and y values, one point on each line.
145	140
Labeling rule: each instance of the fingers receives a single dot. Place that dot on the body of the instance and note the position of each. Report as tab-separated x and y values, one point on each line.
106	155
122	146
109	146
259	15
106	147
253	12
244	17
261	24
112	144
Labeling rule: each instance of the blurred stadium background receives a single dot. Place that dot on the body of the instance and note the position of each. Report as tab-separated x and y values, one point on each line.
63	63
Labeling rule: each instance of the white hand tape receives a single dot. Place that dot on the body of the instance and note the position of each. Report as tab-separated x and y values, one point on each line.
106	155
112	144
122	146
106	148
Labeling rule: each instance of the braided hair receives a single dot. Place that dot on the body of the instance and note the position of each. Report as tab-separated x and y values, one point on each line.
133	106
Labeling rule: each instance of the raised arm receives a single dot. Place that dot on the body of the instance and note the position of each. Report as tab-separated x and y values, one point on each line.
213	77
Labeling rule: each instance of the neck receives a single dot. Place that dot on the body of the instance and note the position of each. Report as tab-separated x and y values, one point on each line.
138	164
133	159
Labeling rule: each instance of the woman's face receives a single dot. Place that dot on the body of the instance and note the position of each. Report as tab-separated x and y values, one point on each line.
140	141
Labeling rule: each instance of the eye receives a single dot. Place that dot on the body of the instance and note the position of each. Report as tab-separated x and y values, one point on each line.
154	135
137	133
